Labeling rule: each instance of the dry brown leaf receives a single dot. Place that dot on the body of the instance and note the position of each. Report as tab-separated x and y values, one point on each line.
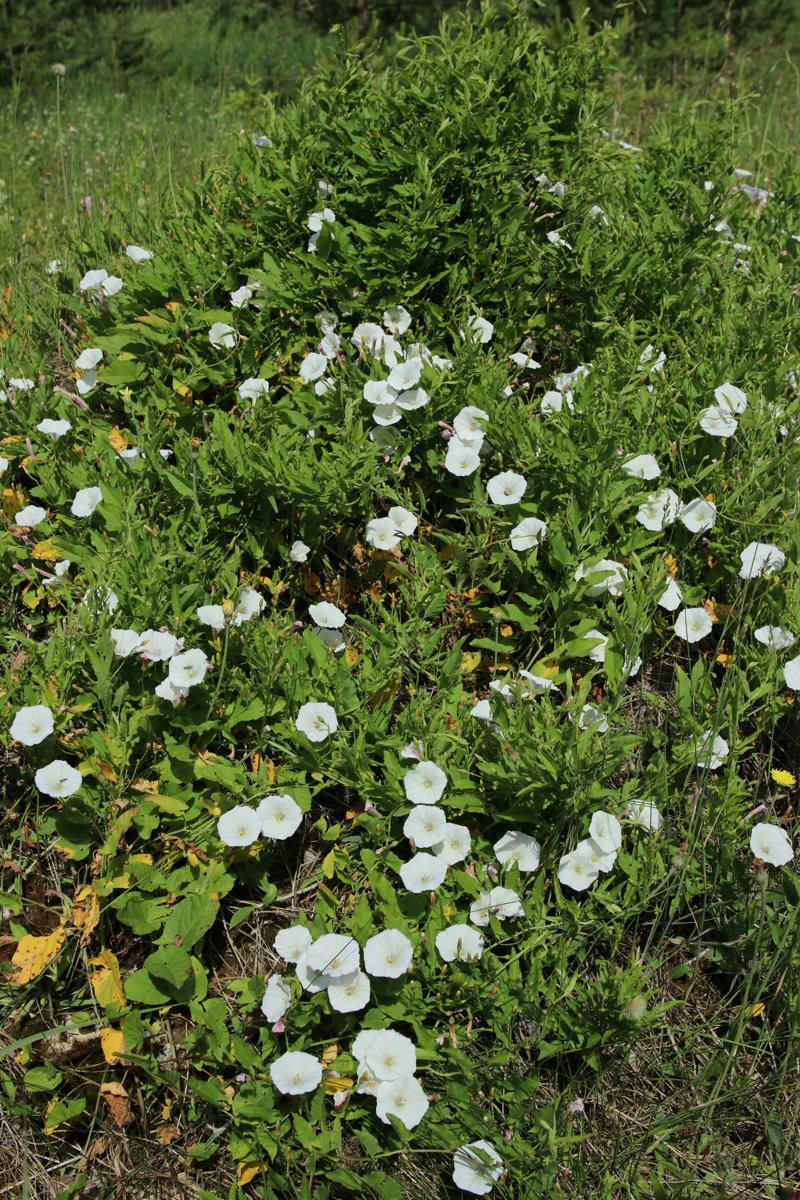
311	583
86	912
106	980
108	772
112	1043
118	1102
330	1054
33	954
711	608
168	1134
143	785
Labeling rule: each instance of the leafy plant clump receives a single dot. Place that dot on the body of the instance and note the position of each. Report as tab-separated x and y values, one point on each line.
401	597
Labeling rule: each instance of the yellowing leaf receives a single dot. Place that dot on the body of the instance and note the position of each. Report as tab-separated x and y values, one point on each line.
108	772
711	608
311	583
33	598
106	981
329	864
470	662
246	1172
45	551
33	954
153	321
86	912
672	565
330	1054
172	306
117	440
112	1043
143	785
351	656
725	660
12	501
506	631
182	389
337	1083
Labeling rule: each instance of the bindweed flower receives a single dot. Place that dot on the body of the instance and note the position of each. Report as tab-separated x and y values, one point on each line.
222	335
241	296
317	721
692	624
643	466
88	359
501	902
647	357
402	1098
460	942
58	779
317	219
32	724
86	501
30	516
520	849
614	577
125	642
388	954
597	653
397	320
277	998
774	637
577	869
672	597
606	831
296	1072
711	750
138	254
555	239
553	402
252	388
761	558
86	383
350	993
425	783
730	397
470	425
423	873
592	717
382	533
645	815
480	329
602	859
334	955
718	421
771	844
699	515
462	458
250	604
659	510
791	673
388	1055
239	826
280	816
159	646
188	669
412	399
312	367
95	599
425	824
527	534
471	1172
524	359
293	942
405	375
455	844
404	521
299	552
326	615
506	488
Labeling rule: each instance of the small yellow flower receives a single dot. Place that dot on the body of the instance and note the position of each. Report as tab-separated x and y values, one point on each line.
227	608
784	778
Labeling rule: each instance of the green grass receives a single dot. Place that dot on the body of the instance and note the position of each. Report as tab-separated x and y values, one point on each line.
634	1039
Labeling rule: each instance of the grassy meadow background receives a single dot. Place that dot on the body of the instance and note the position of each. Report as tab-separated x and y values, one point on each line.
638	1038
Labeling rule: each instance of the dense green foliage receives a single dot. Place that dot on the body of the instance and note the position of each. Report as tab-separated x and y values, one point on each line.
472	179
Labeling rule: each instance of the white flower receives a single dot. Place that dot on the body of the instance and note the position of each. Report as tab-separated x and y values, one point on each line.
166	690
693	624
483	712
388	954
331	637
130	455
86	382
86	501
54	429
335	955
470	425
316	219
425	824
520	848
402	1098
241	296
252	388
32	724
93	279
606	830
643	466
277	998
730	397
455	844
404	521
423	873
645	814
397	319
296	1072
388	1055
310	981
774	637
614	574
506	488
249	605
471	1173
312	366
597	653
159	646
382	533
138	254
598	214
771	843
293	942
58	779
280	816
386	414
326	615
111	285
592	717
524	356
461	458
317	721
350	993
53	267
711	756
412	399
424	783
555	238
535	685
239	826
95	598
126	642
527	534
460	942
602	859
718	421
223	335
647	357
299	552
761	558
791	673
699	515
369	337
503	902
329	346
577	869
405	375
672	596
30	516
88	359
482	329
553	402
187	669
659	510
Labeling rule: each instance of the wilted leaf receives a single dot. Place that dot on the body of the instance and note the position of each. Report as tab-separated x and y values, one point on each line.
86	912
45	551
246	1172
351	656
117	440
112	1042
118	1103
470	662
143	785
167	1134
330	1054
33	954
106	980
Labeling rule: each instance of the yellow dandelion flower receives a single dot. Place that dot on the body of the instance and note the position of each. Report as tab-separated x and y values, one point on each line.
784	778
